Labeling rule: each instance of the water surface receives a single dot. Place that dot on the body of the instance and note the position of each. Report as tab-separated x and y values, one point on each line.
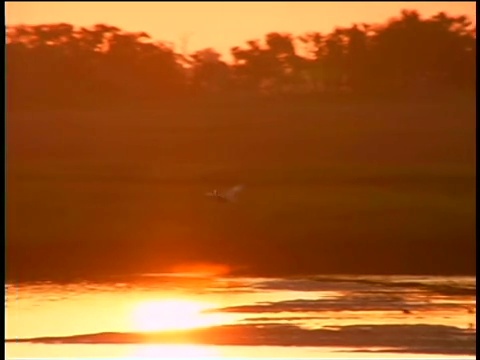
201	316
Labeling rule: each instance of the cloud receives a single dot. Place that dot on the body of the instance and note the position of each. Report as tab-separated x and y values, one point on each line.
365	301
288	318
356	284
440	287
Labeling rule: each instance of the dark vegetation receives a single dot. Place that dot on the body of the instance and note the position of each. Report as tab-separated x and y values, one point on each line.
358	158
60	65
418	338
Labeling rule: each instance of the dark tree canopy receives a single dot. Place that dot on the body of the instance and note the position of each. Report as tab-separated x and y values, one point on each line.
62	65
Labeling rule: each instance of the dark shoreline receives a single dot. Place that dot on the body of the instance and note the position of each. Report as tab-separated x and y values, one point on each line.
133	278
440	339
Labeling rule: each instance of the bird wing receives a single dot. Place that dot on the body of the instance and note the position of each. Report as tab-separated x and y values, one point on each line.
231	193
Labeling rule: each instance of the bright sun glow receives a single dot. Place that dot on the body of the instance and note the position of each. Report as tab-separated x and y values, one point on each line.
172	315
175	352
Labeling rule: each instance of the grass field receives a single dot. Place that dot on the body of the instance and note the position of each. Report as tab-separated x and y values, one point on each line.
330	187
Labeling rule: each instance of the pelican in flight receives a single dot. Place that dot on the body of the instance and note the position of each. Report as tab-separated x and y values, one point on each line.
227	196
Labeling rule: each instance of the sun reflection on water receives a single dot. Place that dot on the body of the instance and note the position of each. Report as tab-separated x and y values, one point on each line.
244	305
173	314
175	352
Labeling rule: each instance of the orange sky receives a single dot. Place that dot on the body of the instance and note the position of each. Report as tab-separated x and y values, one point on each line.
221	25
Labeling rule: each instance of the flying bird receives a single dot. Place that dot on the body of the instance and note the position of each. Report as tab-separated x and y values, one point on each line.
227	196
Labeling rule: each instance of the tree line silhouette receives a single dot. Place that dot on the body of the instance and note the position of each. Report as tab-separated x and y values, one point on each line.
63	65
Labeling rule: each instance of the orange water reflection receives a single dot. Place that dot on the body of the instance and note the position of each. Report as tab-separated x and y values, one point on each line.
175	351
174	314
40	310
128	352
87	306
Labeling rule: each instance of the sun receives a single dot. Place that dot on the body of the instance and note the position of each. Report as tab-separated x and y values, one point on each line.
172	314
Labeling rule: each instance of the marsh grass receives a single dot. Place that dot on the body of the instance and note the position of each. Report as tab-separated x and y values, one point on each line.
320	179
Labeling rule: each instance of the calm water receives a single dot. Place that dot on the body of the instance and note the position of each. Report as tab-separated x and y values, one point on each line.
206	317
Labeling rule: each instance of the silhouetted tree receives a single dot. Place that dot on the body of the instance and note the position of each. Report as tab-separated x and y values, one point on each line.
253	66
55	65
61	65
430	54
209	74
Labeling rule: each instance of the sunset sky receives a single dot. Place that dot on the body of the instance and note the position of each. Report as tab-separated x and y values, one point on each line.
221	25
